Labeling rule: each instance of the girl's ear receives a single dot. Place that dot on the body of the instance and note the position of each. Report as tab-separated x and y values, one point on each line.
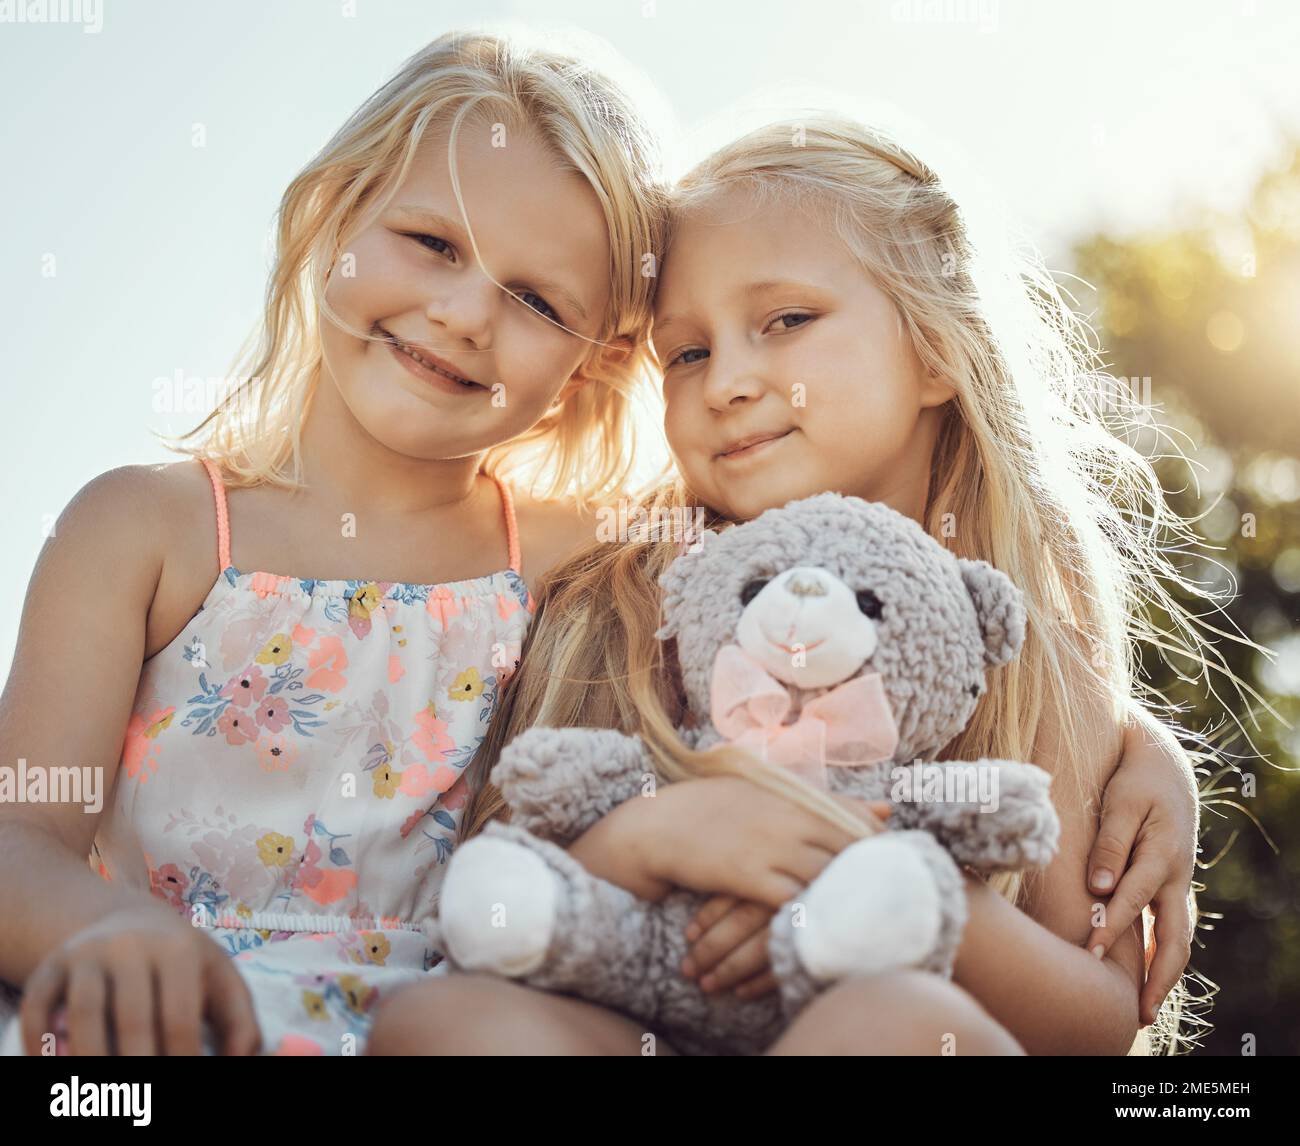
936	389
999	607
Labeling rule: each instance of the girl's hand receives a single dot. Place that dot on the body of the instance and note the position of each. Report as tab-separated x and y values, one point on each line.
1149	808
729	938
726	834
139	983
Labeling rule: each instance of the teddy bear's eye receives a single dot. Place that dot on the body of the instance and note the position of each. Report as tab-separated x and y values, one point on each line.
751	590
870	604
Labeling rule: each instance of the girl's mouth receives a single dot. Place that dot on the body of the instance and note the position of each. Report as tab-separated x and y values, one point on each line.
424	366
750	446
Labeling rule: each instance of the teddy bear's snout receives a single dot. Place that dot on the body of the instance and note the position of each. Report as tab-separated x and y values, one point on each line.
806	583
806	628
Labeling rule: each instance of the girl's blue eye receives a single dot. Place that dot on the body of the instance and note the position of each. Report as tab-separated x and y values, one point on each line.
428	241
800	320
682	356
805	319
442	247
541	306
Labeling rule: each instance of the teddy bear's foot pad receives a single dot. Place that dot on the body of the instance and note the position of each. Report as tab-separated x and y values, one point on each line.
883	903
498	907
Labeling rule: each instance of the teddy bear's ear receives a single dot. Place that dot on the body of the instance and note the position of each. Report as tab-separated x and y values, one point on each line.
999	607
677	577
667	610
670	583
690	546
695	541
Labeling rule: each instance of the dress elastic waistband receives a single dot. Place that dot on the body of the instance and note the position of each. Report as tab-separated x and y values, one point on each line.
318	924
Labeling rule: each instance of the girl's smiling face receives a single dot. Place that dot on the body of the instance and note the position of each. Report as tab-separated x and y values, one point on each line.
415	285
787	371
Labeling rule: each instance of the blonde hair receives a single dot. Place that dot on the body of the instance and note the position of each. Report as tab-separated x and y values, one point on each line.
582	447
1026	467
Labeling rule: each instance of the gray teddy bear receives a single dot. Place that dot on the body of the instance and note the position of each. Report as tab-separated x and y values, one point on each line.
832	636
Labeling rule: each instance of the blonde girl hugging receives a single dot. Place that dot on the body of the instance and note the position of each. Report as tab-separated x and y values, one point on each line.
825	321
288	645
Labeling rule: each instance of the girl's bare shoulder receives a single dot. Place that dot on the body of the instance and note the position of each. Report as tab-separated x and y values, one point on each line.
116	516
113	550
182	510
161	494
182	515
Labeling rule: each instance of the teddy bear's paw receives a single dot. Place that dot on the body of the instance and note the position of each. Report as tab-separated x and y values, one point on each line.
1015	828
994	815
560	781
1030	826
875	907
498	906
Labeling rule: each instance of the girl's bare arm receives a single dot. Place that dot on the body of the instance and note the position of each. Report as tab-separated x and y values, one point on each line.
1150	809
1030	968
67	703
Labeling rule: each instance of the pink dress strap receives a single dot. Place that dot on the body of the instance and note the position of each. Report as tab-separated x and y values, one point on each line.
223	514
512	529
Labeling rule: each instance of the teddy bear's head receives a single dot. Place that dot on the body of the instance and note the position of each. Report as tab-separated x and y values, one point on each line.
832	588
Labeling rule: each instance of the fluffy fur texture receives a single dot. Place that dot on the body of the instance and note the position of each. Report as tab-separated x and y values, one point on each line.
934	623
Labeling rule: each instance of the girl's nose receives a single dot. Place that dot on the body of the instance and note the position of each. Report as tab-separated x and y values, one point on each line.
730	384
464	308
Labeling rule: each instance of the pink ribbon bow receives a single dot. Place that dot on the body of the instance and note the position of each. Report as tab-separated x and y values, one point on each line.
850	725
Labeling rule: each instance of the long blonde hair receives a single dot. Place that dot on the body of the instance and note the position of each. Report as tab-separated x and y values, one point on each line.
582	447
1028	474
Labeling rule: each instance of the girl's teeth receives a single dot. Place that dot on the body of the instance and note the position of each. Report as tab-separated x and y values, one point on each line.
428	365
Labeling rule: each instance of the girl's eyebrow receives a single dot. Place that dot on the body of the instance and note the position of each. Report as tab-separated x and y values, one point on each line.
422	216
661	324
746	291
769	285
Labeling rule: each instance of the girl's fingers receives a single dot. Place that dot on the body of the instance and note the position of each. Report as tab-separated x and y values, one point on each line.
831	839
1135	891
803	863
836	838
180	1009
230	1007
1173	948
746	961
41	993
134	1013
1120	821
87	1010
758	986
724	937
760	880
878	808
708	915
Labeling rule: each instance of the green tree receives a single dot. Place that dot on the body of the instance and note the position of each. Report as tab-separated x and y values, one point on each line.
1208	318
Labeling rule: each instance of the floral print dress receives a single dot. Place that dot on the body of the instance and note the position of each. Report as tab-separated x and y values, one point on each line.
292	777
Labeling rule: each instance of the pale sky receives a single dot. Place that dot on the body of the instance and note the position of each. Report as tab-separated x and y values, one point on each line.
1076	115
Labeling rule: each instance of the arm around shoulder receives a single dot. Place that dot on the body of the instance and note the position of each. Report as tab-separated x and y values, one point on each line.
1029	966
